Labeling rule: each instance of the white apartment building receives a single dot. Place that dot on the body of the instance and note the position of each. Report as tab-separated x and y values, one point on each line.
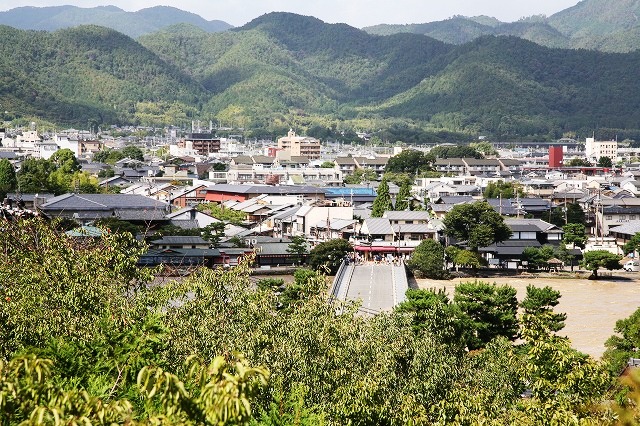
595	149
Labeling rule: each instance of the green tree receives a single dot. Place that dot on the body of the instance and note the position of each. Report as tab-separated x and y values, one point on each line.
65	161
574	233
132	152
574	213
114	224
8	179
382	203
539	303
329	254
632	246
433	312
33	176
214	232
578	162
451	252
476	224
503	189
565	255
564	382
298	247
468	258
219	212
63	287
327	165
605	162
490	311
536	257
409	161
403	199
484	147
624	344
360	176
428	260
556	217
596	259
459	151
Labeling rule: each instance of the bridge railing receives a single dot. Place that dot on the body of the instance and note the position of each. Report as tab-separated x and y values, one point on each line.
335	286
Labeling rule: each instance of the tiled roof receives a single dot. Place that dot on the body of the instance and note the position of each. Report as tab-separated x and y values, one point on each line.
528	225
180	240
406	215
72	202
628	228
378	226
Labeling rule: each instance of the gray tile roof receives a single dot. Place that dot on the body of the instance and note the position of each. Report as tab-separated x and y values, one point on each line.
180	240
529	225
378	226
413	228
406	215
185	223
72	202
628	228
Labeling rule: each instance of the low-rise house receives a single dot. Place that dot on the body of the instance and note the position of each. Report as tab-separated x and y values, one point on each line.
180	242
525	233
191	215
308	216
87	208
624	232
189	196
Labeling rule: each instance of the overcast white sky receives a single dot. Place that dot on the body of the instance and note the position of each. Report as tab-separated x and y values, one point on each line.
358	13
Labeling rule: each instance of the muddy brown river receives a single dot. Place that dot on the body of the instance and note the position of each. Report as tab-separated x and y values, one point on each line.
592	307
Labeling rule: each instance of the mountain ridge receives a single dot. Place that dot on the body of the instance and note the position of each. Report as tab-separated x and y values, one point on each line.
266	77
133	24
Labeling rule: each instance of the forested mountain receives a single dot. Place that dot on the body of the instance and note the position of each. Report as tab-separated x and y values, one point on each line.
606	25
133	24
87	74
286	70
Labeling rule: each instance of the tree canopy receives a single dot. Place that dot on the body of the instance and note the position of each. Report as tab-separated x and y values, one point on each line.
596	259
87	335
476	224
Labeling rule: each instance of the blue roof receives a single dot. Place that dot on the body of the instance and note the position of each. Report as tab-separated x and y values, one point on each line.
345	192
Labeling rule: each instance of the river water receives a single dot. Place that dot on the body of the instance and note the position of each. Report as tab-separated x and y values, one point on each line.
592	307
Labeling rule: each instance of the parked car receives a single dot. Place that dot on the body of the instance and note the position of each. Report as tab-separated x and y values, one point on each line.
632	266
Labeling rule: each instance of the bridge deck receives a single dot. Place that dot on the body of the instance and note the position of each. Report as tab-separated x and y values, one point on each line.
380	287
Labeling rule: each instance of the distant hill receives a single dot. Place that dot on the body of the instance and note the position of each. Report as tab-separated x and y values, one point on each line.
606	25
284	70
133	24
88	73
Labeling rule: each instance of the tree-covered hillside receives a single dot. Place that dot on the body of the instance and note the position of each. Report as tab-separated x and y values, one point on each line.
284	70
87	74
605	25
133	24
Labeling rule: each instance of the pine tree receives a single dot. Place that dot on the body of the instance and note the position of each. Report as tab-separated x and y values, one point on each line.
403	197
382	203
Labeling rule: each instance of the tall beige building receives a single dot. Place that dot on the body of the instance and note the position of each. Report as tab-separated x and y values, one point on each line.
595	149
300	145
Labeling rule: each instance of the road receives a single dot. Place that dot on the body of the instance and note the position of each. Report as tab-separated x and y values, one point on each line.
379	286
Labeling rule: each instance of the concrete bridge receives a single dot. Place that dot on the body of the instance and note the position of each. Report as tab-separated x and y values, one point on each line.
380	286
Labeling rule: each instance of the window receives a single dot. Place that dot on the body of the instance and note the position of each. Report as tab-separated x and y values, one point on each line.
608	217
632	217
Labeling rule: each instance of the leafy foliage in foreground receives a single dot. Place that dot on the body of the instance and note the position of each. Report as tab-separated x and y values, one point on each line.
109	347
